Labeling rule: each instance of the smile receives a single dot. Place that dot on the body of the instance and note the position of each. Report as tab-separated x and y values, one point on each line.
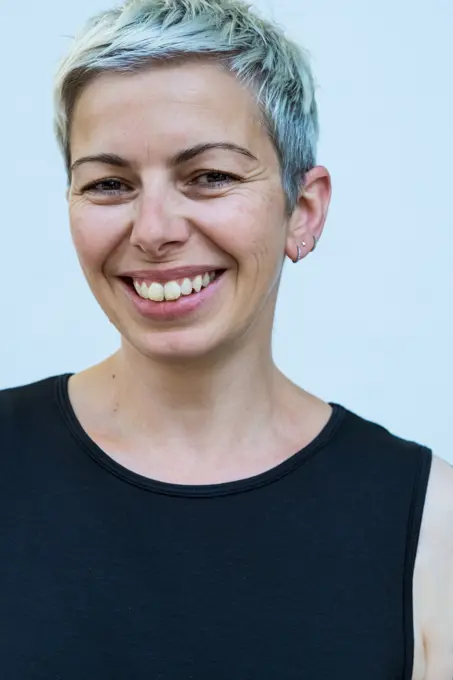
173	290
174	299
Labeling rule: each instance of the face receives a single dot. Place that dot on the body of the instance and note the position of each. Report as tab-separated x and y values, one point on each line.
153	214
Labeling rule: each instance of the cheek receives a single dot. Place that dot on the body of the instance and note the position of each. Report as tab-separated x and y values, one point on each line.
247	226
95	232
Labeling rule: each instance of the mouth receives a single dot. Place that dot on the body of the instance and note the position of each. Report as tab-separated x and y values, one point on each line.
172	291
173	300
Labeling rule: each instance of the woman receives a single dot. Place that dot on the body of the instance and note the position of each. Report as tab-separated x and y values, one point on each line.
182	510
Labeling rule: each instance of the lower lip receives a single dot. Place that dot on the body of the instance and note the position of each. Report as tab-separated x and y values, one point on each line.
174	309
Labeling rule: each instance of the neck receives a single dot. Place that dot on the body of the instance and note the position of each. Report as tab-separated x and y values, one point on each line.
220	417
215	394
202	405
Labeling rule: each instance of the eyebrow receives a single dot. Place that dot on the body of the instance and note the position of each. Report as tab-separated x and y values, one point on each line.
181	157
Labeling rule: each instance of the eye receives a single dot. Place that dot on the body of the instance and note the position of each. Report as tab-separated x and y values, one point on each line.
218	179
108	187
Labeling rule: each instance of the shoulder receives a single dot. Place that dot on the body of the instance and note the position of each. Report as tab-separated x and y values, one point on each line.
439	502
436	533
27	393
405	463
433	575
25	406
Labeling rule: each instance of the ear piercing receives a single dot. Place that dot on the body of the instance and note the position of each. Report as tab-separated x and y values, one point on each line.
303	245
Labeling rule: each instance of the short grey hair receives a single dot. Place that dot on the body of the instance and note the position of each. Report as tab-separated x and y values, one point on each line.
140	32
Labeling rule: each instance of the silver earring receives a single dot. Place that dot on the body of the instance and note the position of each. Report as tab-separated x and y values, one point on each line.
315	240
299	252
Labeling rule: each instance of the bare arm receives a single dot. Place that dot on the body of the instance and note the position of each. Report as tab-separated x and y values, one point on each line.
433	579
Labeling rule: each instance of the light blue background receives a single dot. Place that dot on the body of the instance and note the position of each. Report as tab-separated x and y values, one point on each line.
365	321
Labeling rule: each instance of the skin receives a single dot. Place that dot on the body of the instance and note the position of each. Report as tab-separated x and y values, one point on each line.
168	216
237	414
433	579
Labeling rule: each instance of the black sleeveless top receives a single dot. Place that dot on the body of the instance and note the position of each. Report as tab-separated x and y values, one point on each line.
303	572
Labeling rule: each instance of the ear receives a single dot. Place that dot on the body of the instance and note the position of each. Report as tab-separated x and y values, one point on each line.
307	221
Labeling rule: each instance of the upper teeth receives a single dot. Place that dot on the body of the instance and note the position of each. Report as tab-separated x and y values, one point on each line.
172	290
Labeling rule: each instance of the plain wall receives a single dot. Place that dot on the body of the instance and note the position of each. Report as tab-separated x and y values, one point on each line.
366	320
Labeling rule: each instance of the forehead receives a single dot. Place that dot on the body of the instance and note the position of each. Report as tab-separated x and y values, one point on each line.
167	106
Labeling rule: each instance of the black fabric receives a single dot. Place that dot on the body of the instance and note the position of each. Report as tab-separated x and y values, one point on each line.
302	572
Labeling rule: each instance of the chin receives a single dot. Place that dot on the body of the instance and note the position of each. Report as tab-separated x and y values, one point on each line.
191	344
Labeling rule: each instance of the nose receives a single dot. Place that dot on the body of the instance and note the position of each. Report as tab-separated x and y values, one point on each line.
158	225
